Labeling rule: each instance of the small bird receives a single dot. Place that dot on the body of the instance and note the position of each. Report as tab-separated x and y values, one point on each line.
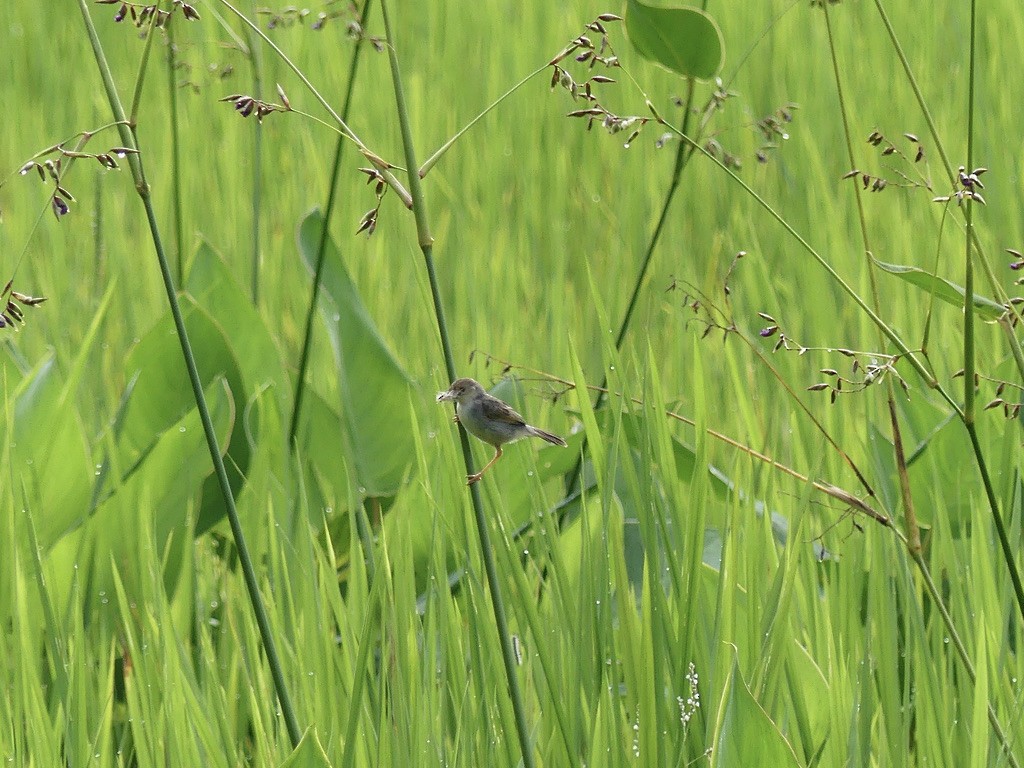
489	419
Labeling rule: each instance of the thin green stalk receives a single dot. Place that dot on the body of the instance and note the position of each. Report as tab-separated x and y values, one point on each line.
173	117
957	641
994	284
889	333
257	174
969	341
961	649
431	161
382	165
969	357
683	153
912	538
360	670
141	76
486	550
909	515
321	248
248	570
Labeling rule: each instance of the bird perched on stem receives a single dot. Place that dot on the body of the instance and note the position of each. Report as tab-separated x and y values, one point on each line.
489	419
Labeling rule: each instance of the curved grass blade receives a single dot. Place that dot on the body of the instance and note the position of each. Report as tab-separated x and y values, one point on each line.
943	289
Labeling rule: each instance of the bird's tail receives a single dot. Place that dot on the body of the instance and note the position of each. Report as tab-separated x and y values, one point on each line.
553	439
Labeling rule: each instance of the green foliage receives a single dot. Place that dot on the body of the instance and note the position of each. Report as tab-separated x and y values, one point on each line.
686	41
943	289
309	753
128	637
374	390
746	735
162	393
49	457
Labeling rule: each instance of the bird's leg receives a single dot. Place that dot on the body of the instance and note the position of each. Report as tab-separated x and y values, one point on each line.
470	479
455	419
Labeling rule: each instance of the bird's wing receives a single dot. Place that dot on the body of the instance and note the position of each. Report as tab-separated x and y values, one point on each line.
496	410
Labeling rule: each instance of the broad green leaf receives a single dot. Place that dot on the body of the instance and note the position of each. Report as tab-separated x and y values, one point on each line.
215	289
309	753
949	292
252	348
49	454
173	470
806	686
980	748
163	393
883	462
684	40
164	486
320	433
746	734
374	388
720	483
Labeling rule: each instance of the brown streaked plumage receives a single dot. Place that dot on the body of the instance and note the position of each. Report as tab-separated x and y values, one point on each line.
489	419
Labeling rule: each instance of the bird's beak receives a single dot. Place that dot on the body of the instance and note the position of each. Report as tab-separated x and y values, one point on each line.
446	395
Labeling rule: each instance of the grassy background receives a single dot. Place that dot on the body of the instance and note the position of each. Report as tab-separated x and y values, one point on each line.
127	641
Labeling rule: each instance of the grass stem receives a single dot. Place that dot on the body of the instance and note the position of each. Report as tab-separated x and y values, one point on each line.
321	249
245	559
426	241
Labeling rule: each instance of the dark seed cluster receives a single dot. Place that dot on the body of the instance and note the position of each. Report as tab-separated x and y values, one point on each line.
142	14
368	223
967	187
772	127
330	11
13	303
250	105
704	310
866	368
1016	303
52	168
593	49
1010	410
196	78
587	53
714	148
891	151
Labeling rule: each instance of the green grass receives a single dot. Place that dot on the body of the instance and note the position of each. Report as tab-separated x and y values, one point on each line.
127	633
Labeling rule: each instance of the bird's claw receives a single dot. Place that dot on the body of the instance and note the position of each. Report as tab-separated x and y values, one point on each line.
455	419
470	479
